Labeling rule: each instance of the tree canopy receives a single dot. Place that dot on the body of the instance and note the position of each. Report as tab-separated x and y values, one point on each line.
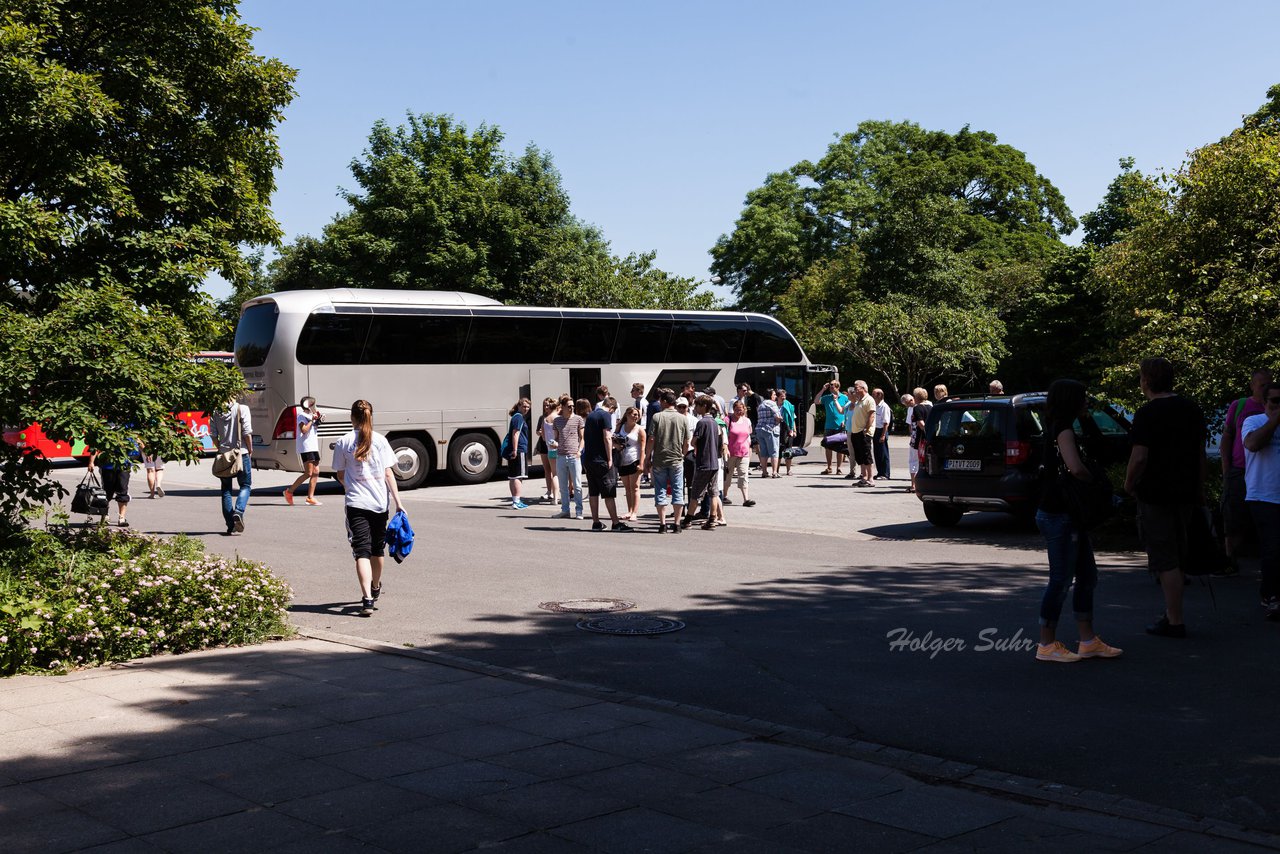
1196	279
443	207
137	151
904	233
910	199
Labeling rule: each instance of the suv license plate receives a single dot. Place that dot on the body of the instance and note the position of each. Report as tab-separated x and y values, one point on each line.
962	465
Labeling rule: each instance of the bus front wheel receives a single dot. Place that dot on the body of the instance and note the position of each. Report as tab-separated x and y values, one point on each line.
413	463
472	458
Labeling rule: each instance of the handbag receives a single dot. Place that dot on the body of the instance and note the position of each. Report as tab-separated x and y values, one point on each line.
229	463
836	439
1089	503
90	497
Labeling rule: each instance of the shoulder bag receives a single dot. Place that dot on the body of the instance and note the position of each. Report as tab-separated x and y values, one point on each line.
1089	503
229	463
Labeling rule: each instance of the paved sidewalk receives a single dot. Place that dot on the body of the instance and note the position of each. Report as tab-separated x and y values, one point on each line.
318	745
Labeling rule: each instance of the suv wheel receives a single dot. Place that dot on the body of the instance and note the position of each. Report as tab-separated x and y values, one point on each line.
942	515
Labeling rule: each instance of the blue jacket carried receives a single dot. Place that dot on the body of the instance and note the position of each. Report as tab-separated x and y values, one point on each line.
399	536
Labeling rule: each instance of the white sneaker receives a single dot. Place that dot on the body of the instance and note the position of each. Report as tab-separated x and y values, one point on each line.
578	515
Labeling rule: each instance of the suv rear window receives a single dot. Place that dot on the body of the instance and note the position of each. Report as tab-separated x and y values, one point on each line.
968	422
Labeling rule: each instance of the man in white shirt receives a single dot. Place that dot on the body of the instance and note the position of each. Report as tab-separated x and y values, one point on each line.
880	439
232	429
1262	490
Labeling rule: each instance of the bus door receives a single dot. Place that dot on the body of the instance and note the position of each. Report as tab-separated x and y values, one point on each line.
792	378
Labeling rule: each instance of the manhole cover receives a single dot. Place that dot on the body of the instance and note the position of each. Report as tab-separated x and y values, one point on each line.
587	606
631	624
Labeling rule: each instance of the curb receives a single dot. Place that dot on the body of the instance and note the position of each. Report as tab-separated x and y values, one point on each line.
924	767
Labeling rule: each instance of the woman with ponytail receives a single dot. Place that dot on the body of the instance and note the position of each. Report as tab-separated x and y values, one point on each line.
363	462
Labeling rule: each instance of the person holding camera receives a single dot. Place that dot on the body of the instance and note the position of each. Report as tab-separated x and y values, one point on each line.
308	446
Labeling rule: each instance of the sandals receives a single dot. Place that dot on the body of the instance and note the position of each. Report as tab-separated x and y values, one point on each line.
826	471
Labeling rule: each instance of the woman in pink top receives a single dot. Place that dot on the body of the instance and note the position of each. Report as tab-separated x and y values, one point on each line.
740	448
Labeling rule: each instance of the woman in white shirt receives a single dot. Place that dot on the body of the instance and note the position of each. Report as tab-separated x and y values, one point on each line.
308	447
629	458
363	463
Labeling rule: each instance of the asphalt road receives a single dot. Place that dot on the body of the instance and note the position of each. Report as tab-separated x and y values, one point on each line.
791	611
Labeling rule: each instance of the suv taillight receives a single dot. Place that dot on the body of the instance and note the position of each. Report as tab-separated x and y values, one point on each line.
286	424
1016	452
923	450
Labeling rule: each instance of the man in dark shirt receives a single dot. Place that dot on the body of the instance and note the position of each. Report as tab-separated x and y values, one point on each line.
706	446
1166	474
597	462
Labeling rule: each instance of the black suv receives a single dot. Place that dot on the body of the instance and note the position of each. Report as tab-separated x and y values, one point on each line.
984	453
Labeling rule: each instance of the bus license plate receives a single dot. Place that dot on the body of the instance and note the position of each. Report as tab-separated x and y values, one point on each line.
962	465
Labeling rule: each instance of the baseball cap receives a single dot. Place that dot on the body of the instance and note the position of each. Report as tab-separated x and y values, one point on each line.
681	401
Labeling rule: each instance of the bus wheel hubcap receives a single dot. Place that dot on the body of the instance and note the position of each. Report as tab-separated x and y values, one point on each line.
474	458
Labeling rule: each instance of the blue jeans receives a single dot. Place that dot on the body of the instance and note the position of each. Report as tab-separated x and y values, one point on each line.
665	476
1070	557
241	501
1266	518
881	450
569	472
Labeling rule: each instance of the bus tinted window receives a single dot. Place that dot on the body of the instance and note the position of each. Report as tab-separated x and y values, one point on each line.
254	333
642	341
501	340
705	341
333	339
769	343
415	339
586	339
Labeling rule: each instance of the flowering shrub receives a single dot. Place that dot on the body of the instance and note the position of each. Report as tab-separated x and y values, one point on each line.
78	598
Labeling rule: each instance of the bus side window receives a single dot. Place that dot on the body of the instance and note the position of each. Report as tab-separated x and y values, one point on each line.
642	341
703	341
333	339
500	340
768	342
586	339
416	339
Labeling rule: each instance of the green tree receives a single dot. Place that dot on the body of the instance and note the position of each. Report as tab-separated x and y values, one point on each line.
443	207
1197	278
897	337
911	200
137	152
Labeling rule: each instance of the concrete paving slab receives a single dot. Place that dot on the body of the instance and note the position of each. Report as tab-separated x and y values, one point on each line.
322	741
941	814
389	759
639	830
286	781
483	740
821	787
548	804
642	781
254	829
446	828
356	808
735	809
819	832
467	779
558	760
65	830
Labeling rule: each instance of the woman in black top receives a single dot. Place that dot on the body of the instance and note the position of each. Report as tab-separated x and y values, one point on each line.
1070	552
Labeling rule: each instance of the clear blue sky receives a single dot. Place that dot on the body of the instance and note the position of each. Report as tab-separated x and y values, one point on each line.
661	116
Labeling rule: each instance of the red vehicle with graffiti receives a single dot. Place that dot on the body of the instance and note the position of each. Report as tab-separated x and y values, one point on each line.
195	421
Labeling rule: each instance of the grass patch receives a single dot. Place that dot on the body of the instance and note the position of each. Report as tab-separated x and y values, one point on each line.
84	597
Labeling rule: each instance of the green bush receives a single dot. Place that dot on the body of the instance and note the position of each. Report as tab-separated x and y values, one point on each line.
85	597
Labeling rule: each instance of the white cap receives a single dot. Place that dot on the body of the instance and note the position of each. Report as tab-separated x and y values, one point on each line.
681	401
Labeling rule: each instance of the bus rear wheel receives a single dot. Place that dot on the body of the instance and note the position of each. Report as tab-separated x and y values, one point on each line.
413	463
472	458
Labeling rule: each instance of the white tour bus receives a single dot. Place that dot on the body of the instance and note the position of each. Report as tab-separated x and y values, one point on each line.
443	368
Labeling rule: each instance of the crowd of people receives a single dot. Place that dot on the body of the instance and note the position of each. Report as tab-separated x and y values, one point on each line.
687	445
